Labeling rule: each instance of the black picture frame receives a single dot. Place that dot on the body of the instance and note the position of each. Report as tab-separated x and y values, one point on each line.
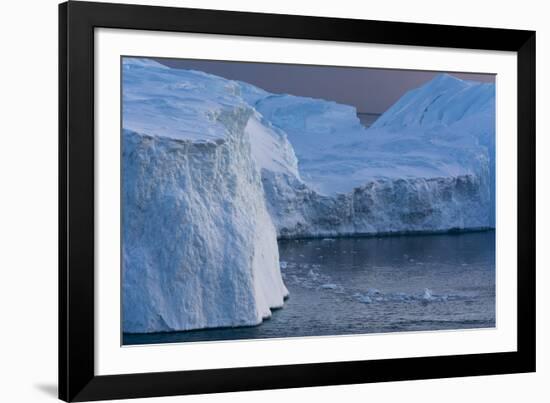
77	379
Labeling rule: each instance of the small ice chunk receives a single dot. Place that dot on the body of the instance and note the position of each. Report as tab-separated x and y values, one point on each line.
365	299
428	296
374	291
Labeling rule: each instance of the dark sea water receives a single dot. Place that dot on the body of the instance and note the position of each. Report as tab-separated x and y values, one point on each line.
367	119
373	285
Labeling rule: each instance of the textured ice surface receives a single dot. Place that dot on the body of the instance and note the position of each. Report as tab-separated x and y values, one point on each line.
215	169
379	206
199	247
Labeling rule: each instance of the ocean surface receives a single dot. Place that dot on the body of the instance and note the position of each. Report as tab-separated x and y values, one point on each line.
367	119
373	285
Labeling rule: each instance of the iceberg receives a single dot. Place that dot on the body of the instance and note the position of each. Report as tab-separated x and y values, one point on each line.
199	247
215	170
427	164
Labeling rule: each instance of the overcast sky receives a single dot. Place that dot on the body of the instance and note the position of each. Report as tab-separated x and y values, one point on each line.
369	90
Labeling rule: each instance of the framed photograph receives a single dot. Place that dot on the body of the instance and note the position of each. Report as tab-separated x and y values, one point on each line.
257	201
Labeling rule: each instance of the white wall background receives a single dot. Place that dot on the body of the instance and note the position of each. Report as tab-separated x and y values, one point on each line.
28	199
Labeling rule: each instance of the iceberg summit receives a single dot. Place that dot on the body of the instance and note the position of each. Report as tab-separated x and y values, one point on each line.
214	171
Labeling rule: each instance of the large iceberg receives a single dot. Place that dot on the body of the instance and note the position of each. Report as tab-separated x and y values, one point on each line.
215	170
199	247
427	164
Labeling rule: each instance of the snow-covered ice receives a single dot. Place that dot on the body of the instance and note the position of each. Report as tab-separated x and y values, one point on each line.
427	164
215	170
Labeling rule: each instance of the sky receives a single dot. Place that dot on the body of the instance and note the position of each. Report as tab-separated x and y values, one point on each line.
369	90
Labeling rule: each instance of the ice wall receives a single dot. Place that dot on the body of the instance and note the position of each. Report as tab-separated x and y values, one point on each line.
199	247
